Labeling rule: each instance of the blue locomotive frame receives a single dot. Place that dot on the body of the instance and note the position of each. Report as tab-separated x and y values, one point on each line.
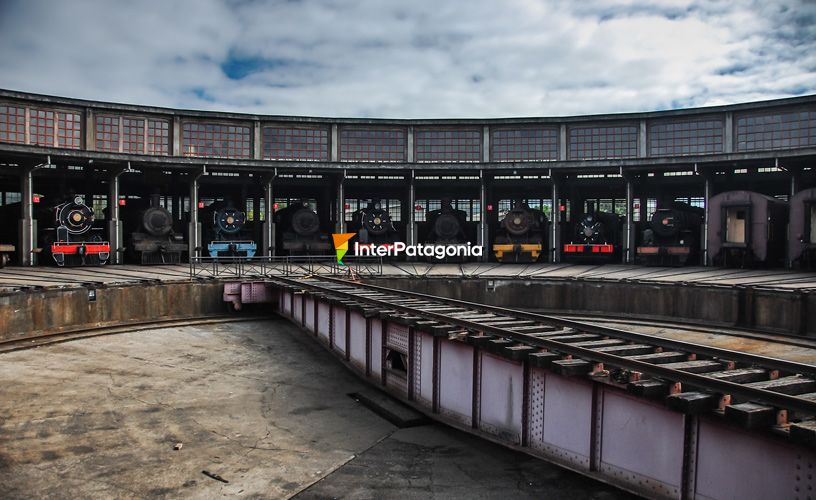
215	248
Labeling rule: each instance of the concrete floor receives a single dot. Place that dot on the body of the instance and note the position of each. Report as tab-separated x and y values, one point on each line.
256	403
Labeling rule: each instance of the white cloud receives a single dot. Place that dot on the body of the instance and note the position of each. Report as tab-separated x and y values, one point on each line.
419	59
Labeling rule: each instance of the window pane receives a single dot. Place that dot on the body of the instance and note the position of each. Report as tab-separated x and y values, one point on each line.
527	144
593	143
291	143
216	140
703	136
443	145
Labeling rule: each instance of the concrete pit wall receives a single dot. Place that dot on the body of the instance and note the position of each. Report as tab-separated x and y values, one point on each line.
31	312
764	310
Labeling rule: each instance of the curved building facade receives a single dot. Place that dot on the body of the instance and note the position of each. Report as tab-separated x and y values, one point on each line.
624	163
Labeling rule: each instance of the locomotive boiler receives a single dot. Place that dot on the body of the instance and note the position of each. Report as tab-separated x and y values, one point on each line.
521	234
673	236
229	236
153	240
746	229
74	240
373	225
447	227
596	235
300	229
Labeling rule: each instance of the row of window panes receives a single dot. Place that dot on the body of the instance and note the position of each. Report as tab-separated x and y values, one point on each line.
778	134
600	153
215	140
12	124
132	135
286	143
524	144
695	137
372	144
795	116
752	133
41	127
9	197
778	130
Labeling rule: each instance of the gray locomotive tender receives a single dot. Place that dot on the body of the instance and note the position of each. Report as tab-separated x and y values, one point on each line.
802	232
301	230
154	240
747	229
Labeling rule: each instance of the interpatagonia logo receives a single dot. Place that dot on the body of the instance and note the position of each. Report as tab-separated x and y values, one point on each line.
341	245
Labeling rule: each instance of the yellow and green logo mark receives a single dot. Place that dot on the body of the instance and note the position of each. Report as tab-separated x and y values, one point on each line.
341	243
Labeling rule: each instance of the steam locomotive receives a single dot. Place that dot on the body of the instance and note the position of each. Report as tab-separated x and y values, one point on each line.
229	235
596	235
673	236
300	227
521	234
74	240
153	241
373	224
447	227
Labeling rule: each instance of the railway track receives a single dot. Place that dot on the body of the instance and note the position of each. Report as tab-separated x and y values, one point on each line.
753	391
44	339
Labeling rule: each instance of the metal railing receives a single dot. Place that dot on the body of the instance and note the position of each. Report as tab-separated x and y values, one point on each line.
300	265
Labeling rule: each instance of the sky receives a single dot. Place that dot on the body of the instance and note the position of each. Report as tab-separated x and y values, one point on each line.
411	59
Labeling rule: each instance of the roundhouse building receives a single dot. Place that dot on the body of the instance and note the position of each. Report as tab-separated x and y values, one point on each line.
630	163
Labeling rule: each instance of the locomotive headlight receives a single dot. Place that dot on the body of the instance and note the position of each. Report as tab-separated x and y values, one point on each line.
76	217
230	219
377	221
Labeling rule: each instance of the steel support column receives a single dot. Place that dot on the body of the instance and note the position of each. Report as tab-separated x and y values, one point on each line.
706	219
341	204
411	230
114	222
795	181
28	226
194	233
555	234
482	236
629	249
268	245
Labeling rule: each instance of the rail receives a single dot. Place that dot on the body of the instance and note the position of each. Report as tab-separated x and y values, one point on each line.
282	266
659	364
